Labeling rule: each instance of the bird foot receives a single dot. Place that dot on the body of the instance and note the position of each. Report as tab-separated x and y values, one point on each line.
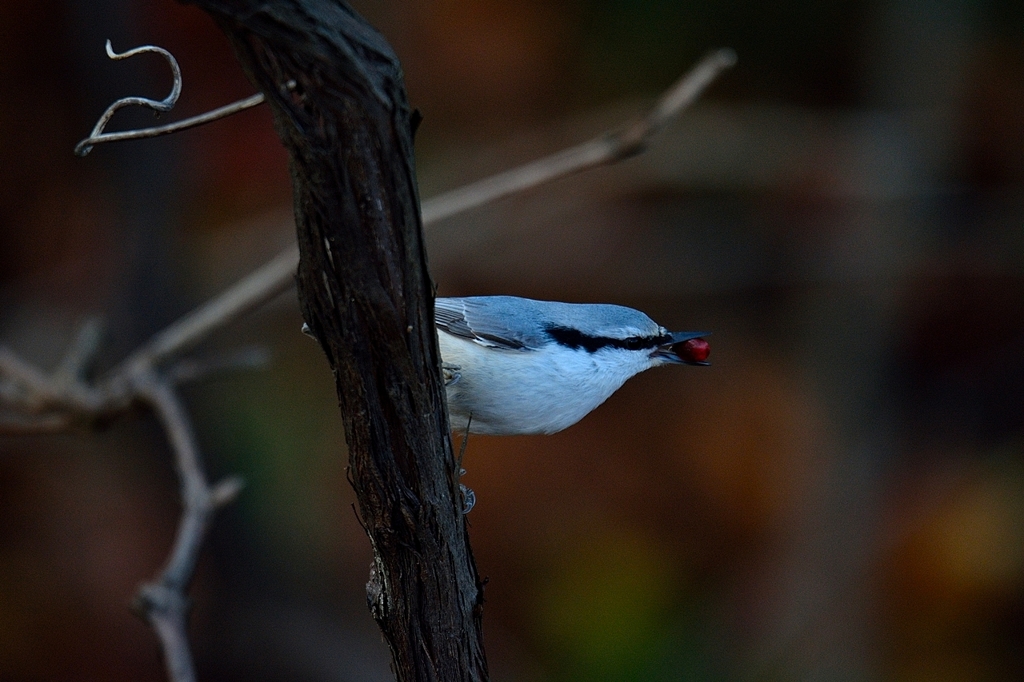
450	373
468	496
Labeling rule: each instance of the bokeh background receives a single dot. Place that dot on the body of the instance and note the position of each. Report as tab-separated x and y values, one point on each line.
839	497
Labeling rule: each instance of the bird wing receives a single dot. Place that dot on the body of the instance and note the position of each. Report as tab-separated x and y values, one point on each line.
483	320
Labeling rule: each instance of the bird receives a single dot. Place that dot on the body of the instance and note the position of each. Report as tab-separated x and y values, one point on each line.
518	366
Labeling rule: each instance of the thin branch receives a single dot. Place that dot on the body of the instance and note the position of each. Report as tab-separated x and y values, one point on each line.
80	355
33	391
85	146
99	137
33	386
251	291
606	149
163	602
24	425
193	369
28	392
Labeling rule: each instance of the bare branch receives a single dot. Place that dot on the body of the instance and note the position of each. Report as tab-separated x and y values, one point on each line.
29	391
167	612
605	149
33	391
163	602
82	352
362	283
35	402
194	490
28	384
99	137
684	92
85	146
226	490
276	276
23	425
192	369
250	292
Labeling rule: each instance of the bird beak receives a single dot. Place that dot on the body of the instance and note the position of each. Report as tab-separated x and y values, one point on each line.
687	348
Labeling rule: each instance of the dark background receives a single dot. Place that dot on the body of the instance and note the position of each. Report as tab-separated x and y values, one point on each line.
840	497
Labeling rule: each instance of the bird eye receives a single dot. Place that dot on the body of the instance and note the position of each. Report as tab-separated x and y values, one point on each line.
633	343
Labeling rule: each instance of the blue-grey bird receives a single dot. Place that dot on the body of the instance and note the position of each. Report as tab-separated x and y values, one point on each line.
518	366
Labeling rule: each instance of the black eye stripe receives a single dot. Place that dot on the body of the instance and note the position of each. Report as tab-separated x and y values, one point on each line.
573	338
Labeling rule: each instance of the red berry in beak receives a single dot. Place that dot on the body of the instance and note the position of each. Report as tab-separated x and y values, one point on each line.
694	350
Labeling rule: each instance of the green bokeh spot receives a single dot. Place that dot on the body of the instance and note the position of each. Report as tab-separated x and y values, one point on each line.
606	606
280	431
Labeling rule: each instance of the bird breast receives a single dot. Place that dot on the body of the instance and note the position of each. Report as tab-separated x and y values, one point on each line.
536	391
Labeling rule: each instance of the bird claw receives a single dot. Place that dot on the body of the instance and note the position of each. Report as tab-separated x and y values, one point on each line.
468	497
450	373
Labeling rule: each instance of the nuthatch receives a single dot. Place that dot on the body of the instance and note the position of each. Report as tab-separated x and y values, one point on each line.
518	366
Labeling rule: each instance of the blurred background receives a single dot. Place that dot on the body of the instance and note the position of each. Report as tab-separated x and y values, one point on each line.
839	497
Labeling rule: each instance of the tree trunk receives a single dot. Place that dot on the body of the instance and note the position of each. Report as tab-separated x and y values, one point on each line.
339	104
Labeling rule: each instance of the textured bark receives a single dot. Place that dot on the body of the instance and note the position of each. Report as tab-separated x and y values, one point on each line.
366	295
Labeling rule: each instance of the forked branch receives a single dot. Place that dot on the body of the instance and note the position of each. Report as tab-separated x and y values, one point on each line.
33	401
163	602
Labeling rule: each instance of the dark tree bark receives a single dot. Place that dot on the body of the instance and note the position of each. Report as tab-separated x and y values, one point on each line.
367	297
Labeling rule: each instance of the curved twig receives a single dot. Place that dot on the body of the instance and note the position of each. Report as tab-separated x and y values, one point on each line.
97	135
